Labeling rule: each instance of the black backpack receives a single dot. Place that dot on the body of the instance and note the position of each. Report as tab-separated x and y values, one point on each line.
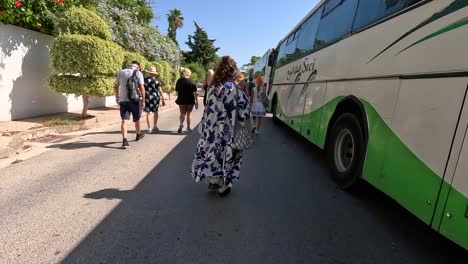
133	87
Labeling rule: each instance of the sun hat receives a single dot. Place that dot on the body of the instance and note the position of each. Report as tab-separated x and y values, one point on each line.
152	70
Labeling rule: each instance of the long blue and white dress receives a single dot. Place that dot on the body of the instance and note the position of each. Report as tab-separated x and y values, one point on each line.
214	156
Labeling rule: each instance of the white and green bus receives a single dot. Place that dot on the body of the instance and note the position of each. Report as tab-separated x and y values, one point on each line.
381	85
263	68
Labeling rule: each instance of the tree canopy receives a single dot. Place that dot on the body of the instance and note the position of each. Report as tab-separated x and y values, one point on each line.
249	66
176	21
202	49
129	22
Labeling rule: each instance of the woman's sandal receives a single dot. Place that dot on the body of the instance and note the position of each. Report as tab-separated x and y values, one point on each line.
225	193
213	186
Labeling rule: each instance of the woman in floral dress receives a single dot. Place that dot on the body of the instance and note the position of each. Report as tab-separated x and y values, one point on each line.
215	160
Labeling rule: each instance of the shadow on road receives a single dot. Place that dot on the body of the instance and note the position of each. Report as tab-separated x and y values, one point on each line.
285	209
108	194
132	133
83	145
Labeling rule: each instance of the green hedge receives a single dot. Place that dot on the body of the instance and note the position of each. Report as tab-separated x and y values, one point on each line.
132	56
87	55
166	75
86	86
198	72
83	22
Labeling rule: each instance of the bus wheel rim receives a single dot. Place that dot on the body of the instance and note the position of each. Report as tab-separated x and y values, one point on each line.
344	150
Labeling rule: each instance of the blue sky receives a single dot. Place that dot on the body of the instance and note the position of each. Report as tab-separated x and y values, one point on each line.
242	28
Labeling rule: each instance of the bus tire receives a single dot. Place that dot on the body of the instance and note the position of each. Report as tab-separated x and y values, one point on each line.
345	151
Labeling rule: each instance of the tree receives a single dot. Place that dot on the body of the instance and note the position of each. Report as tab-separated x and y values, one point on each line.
176	21
198	72
249	66
131	30
84	59
202	48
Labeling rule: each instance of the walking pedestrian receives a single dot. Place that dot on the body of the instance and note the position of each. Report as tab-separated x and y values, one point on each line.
186	98
131	77
241	83
207	84
250	85
153	95
257	104
215	160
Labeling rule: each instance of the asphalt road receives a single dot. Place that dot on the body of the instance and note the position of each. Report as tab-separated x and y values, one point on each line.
91	202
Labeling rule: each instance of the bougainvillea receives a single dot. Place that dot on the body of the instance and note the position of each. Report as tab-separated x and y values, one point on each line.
37	15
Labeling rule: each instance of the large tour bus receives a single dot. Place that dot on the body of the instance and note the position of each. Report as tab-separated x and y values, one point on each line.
381	85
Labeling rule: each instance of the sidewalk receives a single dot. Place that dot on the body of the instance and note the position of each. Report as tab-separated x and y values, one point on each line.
14	134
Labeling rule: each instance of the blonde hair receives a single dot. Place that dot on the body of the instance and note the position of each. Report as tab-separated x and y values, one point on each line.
210	72
186	72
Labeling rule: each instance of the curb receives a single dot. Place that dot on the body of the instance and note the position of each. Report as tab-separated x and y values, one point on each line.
17	141
13	146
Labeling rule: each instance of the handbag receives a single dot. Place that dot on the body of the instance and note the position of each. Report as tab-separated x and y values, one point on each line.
243	136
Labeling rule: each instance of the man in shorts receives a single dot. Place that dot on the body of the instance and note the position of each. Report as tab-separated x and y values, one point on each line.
128	107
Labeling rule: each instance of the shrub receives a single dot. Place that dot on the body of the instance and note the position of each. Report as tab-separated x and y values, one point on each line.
134	36
198	72
83	22
132	56
86	86
86	55
159	69
38	15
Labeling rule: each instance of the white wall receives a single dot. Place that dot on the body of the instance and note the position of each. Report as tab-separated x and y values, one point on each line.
24	69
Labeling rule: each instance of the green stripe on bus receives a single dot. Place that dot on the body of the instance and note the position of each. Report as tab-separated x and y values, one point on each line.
402	173
435	34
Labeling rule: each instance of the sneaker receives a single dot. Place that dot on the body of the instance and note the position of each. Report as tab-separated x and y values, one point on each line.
189	129
139	136
257	132
254	130
150	130
180	129
155	130
125	143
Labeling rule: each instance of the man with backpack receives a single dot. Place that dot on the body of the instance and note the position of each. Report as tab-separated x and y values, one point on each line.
130	98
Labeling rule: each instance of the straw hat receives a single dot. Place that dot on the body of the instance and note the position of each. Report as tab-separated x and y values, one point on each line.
152	70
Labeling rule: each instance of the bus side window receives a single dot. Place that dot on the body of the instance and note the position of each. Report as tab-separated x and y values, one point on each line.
336	24
371	11
309	29
281	58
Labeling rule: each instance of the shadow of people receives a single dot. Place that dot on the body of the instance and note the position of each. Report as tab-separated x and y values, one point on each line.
83	145
108	194
284	210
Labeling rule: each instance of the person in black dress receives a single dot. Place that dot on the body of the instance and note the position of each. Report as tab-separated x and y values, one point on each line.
186	98
154	94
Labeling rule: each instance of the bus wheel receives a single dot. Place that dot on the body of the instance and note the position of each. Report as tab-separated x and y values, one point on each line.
345	151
